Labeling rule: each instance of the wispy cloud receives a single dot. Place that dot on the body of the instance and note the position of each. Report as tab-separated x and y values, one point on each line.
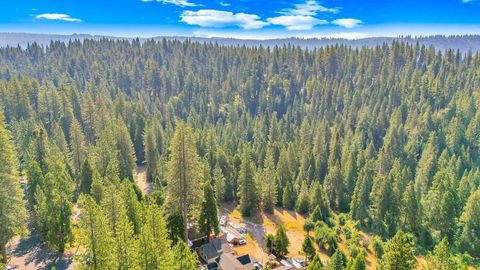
223	3
309	8
180	3
302	16
347	22
57	16
296	22
220	18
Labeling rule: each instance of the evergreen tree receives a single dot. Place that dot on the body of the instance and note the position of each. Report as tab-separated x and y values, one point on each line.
78	148
308	248
269	182
315	264
12	207
185	259
318	199
86	177
126	152
409	210
335	188
360	202
469	240
358	263
208	220
183	174
281	242
270	243
441	258
302	204
337	262
35	179
155	247
287	200
152	156
219	181
399	253
247	188
98	237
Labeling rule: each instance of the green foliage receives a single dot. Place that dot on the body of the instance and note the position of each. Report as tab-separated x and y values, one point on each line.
388	135
281	242
469	240
185	259
53	206
269	183
302	204
338	261
399	253
184	177
377	245
208	220
315	264
325	237
270	242
12	207
219	181
358	263
278	244
441	258
98	238
86	177
247	188
308	248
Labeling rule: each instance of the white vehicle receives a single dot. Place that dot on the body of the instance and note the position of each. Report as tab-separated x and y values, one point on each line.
239	229
242	242
223	220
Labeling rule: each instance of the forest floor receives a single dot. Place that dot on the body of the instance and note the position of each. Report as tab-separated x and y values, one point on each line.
141	179
31	253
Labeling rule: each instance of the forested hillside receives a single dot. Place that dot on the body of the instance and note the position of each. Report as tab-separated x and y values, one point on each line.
387	137
464	43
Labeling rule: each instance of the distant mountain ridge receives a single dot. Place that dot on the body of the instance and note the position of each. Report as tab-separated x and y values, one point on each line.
463	43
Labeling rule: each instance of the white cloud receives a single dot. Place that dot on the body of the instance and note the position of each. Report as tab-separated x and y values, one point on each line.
58	17
309	8
181	3
302	16
296	22
219	18
223	3
347	22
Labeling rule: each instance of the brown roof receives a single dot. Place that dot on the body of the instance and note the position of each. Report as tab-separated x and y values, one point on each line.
230	262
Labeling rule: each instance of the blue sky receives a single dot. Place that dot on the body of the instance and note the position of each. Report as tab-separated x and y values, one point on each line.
242	18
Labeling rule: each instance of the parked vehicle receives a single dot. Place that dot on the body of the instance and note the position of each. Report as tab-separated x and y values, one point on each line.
223	220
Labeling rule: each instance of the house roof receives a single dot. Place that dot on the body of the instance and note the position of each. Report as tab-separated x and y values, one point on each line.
230	262
214	249
245	259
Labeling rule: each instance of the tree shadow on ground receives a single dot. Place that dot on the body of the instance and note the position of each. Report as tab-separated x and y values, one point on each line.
32	253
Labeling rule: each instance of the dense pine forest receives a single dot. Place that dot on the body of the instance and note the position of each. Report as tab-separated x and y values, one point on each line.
386	138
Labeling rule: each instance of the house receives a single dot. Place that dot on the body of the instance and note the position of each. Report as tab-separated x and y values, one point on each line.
228	261
209	252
